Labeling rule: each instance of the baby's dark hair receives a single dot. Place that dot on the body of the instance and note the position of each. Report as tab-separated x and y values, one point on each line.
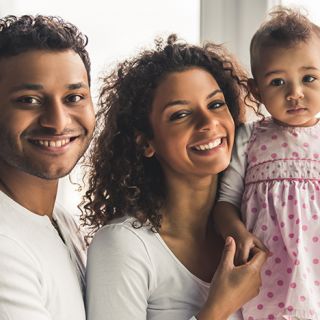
122	181
25	33
285	28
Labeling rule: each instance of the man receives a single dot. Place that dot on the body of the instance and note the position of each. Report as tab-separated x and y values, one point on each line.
46	124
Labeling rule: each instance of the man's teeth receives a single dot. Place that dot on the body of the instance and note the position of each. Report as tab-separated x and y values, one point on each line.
53	144
209	146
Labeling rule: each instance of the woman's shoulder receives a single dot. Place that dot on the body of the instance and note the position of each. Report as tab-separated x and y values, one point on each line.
123	233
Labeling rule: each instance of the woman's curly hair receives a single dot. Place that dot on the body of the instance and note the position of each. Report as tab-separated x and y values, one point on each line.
121	180
21	34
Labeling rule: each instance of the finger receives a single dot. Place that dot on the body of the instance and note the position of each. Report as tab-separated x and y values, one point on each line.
258	243
258	259
244	253
228	253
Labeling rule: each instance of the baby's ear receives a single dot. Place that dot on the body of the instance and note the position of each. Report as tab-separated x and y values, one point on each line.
141	140
253	86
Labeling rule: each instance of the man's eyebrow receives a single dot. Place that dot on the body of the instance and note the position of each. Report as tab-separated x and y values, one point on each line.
27	86
77	85
186	102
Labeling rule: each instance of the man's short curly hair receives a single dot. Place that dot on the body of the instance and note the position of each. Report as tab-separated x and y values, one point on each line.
285	27
24	33
122	181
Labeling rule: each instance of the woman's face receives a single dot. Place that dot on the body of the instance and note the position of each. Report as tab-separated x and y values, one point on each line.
192	126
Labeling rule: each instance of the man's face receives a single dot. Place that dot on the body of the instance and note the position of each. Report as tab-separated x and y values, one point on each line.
46	112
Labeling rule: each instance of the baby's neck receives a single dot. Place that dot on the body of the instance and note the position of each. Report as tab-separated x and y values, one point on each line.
310	123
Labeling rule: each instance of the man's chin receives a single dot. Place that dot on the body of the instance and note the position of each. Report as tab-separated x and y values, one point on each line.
52	174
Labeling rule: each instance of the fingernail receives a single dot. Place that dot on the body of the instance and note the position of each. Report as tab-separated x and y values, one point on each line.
228	241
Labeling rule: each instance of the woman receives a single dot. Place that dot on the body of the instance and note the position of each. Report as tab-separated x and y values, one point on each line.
167	129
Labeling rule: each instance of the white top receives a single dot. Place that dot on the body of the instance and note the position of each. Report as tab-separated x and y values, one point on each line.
39	277
132	274
232	181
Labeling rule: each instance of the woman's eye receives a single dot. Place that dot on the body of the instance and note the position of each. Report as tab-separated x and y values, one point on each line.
74	98
308	78
277	82
216	104
179	115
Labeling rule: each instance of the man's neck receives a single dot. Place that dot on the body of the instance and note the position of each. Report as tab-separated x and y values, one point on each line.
35	194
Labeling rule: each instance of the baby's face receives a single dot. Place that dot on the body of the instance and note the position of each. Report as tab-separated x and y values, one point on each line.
288	82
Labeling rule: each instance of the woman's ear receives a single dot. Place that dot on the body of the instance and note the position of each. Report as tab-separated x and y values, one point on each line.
252	84
148	150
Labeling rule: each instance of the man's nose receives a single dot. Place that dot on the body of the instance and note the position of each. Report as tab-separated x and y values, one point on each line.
55	116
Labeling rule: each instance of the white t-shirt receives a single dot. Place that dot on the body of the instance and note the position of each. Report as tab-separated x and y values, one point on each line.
39	273
132	274
232	181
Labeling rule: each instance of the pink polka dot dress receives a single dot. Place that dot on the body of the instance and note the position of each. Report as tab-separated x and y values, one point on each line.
282	205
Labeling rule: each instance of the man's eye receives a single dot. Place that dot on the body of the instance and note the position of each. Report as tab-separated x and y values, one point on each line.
29	100
216	104
308	78
74	98
277	82
179	115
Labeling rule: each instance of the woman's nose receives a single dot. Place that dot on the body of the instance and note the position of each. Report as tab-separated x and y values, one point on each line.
206	121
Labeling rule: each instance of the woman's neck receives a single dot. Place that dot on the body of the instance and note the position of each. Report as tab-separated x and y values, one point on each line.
188	206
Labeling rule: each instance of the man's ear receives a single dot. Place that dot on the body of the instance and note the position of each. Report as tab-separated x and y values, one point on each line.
252	84
148	150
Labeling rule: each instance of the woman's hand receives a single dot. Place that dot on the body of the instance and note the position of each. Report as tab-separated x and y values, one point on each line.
232	286
245	244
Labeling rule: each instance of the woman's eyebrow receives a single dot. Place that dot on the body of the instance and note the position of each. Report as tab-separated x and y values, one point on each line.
186	102
213	93
176	102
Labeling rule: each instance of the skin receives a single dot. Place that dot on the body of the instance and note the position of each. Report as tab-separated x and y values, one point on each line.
189	111
287	82
46	124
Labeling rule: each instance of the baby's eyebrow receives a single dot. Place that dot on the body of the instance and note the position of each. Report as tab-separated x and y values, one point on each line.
310	68
267	74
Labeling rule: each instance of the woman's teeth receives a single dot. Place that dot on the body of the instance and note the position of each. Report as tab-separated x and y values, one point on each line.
209	146
53	144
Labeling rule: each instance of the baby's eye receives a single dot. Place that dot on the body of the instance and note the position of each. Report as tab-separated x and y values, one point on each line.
216	104
308	78
179	115
277	82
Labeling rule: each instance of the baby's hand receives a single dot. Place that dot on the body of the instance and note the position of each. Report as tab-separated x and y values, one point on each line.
245	242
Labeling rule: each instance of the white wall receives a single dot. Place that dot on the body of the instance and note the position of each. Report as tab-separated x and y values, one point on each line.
116	29
311	6
233	23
